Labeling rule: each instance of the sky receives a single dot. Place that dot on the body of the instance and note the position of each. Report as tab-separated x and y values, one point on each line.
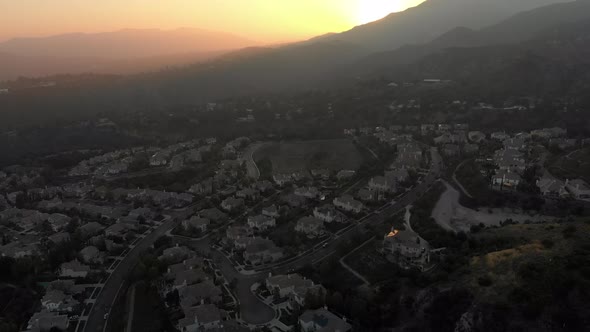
261	20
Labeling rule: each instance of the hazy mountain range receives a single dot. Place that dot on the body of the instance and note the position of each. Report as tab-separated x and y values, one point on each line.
397	47
125	51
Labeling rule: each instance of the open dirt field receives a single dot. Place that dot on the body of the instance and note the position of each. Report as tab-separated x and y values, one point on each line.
452	216
297	156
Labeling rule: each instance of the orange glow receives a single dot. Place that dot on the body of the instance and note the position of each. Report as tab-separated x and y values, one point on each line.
262	20
393	233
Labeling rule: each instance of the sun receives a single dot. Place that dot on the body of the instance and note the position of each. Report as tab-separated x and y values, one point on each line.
372	10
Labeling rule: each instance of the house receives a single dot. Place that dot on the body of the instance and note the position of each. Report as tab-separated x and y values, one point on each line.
44	321
476	136
213	214
398	175
232	204
407	249
188	277
205	317
426	129
261	222
264	186
500	136
310	226
57	301
518	144
248	193
578	188
271	211
160	158
119	230
204	187
345	174
382	184
18	249
323	173
282	179
91	254
261	251
91	229
175	254
73	269
563	143
198	223
307	192
141	212
294	201
327	213
293	286
348	203
234	233
551	187
365	195
322	320
58	238
205	291
506	180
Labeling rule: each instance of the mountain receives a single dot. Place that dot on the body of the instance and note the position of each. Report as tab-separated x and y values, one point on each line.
125	44
518	28
430	19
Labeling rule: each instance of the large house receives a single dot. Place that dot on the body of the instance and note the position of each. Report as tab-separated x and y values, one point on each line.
271	211
578	188
407	249
348	203
327	213
261	222
200	318
551	187
44	321
322	320
310	226
294	287
260	251
73	269
196	222
196	294
232	204
57	301
307	192
506	180
382	184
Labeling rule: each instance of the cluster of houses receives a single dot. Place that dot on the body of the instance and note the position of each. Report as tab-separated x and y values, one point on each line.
175	156
200	293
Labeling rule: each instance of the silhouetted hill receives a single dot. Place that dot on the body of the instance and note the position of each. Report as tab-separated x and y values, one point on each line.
518	28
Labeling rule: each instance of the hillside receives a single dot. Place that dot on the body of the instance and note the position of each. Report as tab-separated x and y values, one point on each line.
516	29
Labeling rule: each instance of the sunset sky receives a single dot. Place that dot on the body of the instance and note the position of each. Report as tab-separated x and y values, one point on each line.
261	20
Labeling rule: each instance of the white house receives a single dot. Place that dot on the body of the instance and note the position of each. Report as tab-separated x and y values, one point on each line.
578	188
348	203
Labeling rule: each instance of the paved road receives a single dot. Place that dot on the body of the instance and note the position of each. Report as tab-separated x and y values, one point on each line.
248	157
105	300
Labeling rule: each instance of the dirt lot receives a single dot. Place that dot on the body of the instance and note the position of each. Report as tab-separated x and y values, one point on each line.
297	156
451	215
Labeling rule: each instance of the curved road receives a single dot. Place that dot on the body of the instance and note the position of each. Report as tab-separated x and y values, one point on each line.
110	290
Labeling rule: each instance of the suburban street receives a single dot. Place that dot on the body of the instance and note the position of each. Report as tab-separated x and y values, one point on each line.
118	277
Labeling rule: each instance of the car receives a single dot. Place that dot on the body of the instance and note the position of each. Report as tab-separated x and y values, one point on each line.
325	245
106	316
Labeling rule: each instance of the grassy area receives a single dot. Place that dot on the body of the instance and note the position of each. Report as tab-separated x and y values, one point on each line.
571	166
297	156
